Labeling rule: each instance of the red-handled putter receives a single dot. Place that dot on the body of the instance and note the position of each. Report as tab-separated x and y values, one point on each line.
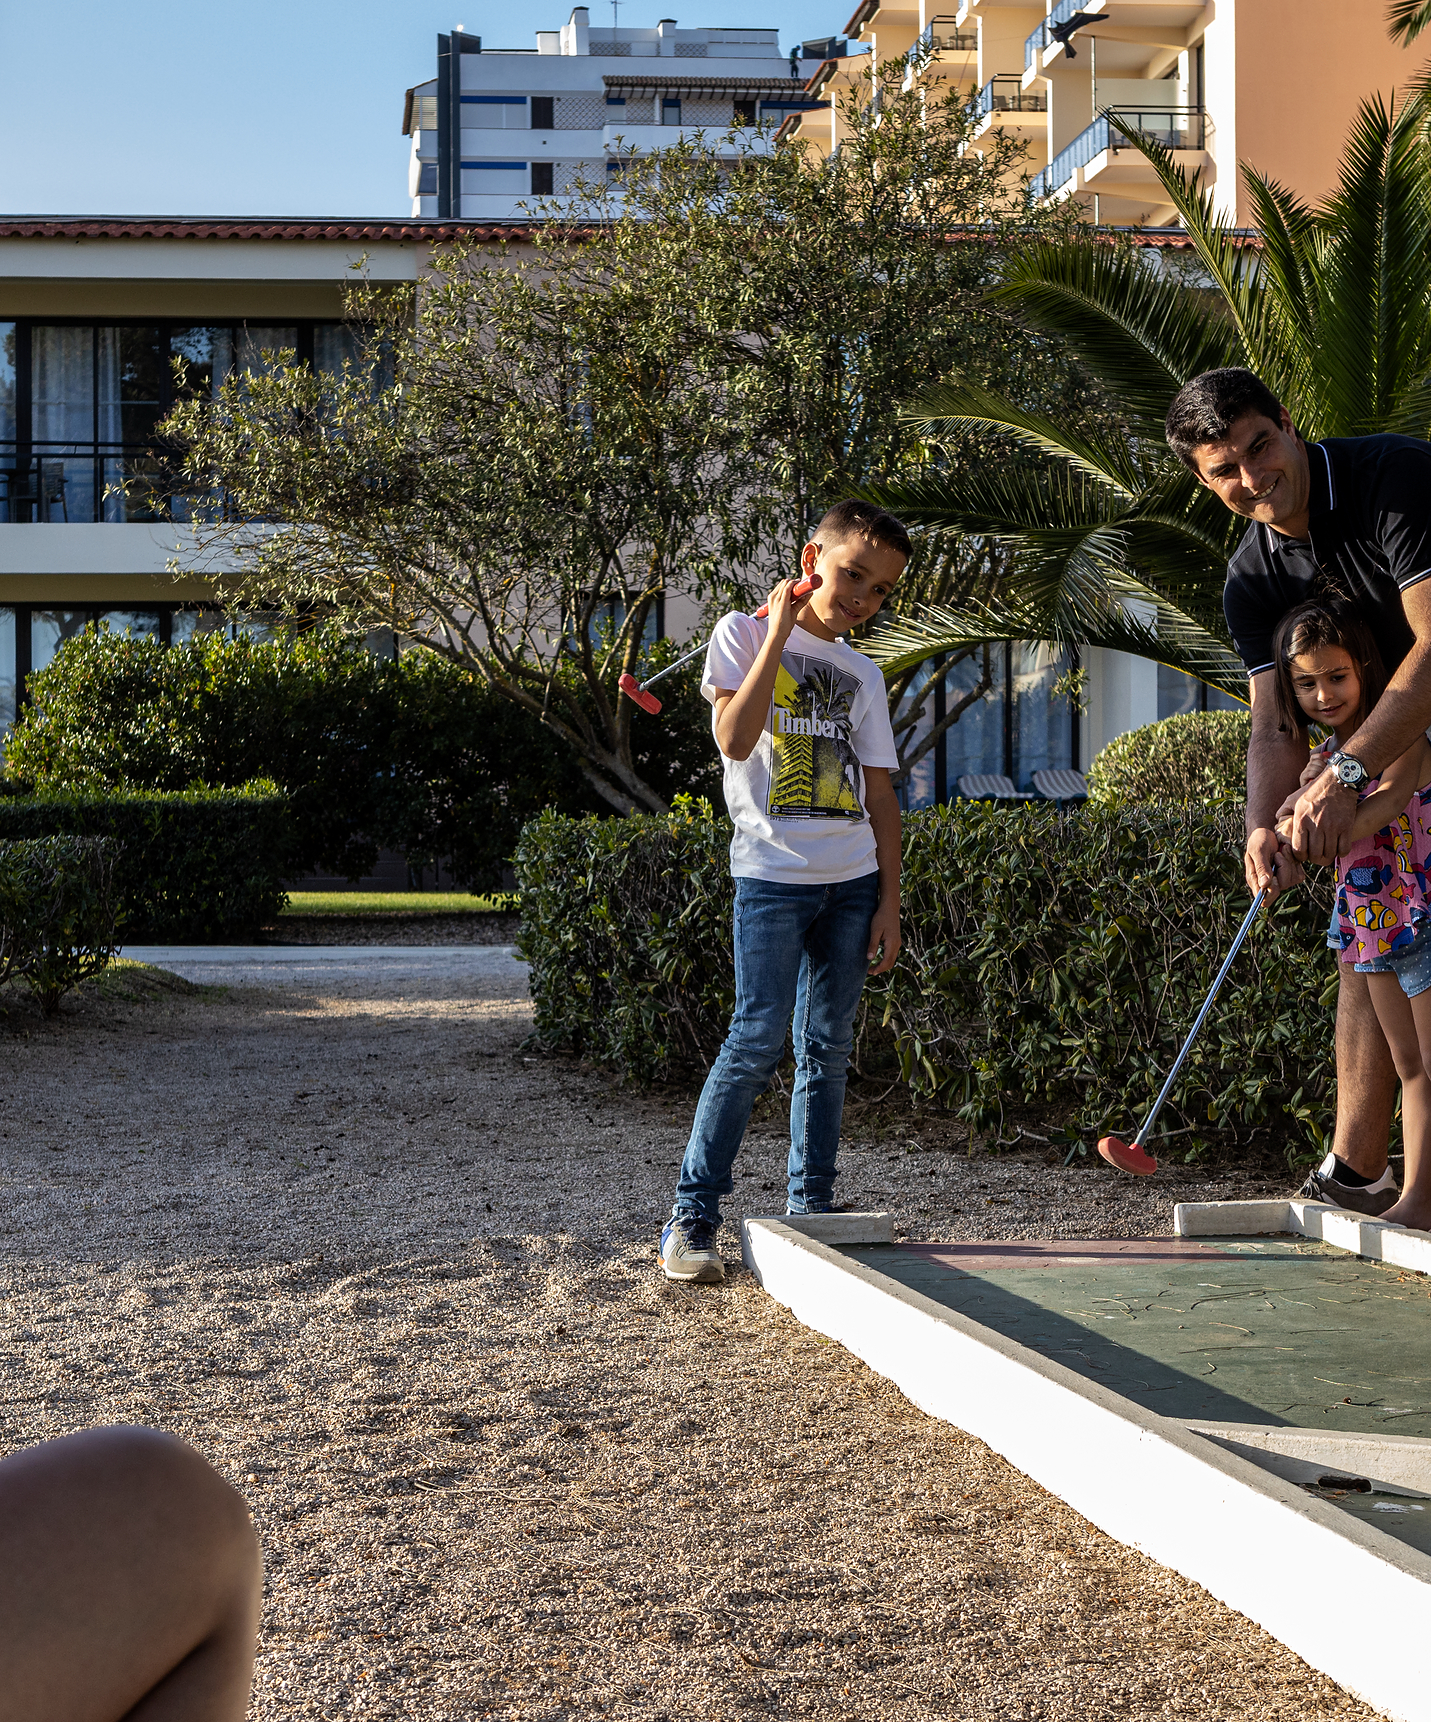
1133	1156
635	690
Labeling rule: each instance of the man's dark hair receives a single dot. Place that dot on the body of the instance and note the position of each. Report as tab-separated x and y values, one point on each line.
1206	409
1322	622
855	519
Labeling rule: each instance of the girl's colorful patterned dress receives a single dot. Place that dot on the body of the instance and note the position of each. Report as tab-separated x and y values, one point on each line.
1383	885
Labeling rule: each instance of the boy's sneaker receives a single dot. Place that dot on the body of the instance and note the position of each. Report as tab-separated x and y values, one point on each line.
1323	1185
688	1251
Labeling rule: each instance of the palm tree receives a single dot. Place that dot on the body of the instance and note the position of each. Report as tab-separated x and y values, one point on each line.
1115	544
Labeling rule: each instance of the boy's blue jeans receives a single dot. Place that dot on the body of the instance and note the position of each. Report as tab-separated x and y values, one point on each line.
801	949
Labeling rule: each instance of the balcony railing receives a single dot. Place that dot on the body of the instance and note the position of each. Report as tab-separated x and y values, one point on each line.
940	36
1007	95
1038	39
1174	128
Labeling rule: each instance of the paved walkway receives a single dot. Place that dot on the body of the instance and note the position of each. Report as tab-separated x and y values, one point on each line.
303	965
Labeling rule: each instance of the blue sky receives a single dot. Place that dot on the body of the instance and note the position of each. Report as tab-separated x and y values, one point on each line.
269	107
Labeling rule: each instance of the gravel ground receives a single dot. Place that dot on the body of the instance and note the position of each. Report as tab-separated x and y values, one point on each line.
394	1276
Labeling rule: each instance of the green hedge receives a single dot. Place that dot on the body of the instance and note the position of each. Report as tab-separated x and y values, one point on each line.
58	913
1052	959
200	865
1196	756
416	755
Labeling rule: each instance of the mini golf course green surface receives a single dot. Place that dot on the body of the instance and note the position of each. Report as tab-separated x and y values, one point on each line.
1272	1330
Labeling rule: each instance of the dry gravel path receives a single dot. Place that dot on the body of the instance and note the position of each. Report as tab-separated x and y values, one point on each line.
394	1276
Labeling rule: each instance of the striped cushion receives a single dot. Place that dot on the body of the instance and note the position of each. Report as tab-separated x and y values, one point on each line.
984	785
1061	785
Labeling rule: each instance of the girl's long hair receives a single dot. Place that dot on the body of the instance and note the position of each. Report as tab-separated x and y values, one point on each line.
1308	628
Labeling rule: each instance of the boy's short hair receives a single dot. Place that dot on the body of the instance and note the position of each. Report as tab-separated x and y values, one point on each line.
855	519
1207	408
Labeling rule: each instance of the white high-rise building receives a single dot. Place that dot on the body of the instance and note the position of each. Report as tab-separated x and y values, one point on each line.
495	129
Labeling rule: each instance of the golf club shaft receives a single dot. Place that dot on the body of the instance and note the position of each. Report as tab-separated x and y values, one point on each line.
669	667
1141	1138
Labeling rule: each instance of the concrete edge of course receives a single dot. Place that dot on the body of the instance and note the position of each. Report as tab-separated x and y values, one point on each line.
1397	1246
1191	1501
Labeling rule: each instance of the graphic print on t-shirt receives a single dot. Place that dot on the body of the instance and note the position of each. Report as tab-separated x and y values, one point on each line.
814	772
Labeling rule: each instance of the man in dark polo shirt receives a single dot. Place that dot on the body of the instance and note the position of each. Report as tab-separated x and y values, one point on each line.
1350	515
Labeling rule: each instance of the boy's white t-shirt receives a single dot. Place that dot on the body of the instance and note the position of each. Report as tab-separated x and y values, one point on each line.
798	802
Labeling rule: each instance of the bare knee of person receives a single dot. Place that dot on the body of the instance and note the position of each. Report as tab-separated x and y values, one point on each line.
130	1583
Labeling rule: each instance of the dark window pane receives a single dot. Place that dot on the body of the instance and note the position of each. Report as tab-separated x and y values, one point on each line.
1043	721
49	629
142	623
7	383
194	624
334	345
745	111
543	113
541	179
975	741
670	111
427	179
193	349
1177	692
7	670
131	370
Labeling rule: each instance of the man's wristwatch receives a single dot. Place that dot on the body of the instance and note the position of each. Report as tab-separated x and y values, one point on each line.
1350	772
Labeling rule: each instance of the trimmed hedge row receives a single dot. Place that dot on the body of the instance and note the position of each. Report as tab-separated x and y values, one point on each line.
198	865
1053	959
58	911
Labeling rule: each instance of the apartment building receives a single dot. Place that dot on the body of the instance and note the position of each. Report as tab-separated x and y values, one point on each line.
497	128
93	312
1220	82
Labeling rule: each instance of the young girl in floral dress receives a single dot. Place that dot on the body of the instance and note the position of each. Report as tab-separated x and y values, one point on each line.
1329	672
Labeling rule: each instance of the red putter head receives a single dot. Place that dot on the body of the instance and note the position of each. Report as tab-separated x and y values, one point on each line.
801	589
1127	1157
634	691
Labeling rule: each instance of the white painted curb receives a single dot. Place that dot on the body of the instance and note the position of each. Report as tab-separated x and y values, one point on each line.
1398	1246
1257	1542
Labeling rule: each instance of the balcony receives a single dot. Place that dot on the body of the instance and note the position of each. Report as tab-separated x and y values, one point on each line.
1039	38
1174	128
619	138
945	50
1005	101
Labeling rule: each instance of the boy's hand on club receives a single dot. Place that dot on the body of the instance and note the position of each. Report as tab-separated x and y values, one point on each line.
884	930
784	608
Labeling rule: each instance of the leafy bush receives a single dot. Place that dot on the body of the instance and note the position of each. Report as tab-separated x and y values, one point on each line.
58	911
415	755
1053	959
1196	756
199	865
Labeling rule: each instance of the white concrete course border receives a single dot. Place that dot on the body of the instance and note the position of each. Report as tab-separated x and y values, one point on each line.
1398	1246
1196	1503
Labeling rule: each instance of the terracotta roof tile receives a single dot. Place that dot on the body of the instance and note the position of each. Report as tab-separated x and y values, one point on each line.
194	227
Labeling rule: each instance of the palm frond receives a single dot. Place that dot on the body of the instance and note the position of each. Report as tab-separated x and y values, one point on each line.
958	405
1375	269
1406	19
1142	335
1222	252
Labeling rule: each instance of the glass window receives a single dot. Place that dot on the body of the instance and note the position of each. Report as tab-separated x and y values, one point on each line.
143	624
49	629
8	689
543	113
193	349
60	486
917	790
975	742
670	110
334	345
1043	723
427	179
1178	692
7	383
194	624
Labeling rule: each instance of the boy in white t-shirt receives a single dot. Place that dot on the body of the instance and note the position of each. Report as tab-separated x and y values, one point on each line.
803	728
